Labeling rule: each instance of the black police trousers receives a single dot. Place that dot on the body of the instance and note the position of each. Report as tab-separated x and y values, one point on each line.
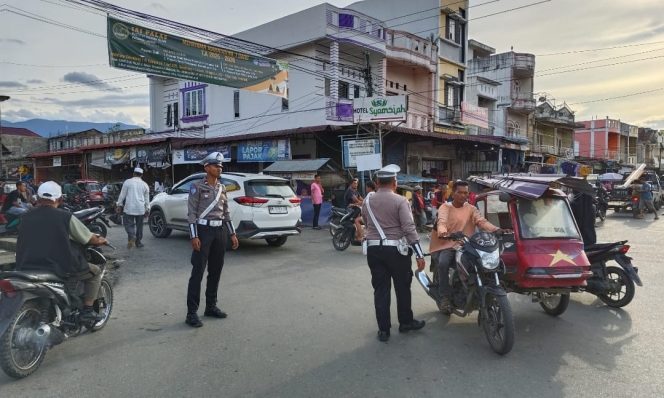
387	264
213	247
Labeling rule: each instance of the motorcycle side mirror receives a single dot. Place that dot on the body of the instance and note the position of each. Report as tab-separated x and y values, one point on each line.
504	197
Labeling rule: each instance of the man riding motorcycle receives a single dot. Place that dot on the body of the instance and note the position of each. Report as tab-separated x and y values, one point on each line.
52	240
455	216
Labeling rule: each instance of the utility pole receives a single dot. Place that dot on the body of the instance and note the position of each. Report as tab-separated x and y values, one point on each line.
3	98
368	81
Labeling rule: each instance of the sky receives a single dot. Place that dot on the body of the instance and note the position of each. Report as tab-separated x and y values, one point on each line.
46	69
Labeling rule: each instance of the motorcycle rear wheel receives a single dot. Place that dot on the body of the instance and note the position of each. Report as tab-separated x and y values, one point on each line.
554	304
341	239
18	357
499	324
105	292
625	291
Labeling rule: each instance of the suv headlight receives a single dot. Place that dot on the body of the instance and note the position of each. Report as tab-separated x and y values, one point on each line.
490	260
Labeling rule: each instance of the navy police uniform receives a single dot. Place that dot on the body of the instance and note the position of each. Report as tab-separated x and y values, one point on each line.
209	221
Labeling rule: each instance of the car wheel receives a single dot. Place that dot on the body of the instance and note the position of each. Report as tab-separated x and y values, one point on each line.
276	242
157	223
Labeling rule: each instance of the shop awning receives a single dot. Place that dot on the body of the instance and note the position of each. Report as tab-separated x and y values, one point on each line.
295	166
413	179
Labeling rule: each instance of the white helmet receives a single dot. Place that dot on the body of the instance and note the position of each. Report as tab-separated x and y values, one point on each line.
50	190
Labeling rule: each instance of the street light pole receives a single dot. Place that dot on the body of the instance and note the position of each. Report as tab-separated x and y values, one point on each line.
3	98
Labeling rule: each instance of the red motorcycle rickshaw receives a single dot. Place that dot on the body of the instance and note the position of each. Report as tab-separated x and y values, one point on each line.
545	256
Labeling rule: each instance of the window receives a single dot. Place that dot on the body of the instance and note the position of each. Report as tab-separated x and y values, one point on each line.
236	103
346	21
546	218
176	114
284	104
193	103
343	90
268	188
184	187
169	115
405	87
356	91
230	185
451	29
451	97
327	87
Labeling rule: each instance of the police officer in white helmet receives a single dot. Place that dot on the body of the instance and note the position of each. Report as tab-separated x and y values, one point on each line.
209	224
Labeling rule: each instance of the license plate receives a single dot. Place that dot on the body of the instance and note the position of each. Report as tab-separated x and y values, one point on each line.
278	210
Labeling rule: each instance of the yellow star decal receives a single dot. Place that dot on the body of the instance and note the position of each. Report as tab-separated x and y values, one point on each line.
560	256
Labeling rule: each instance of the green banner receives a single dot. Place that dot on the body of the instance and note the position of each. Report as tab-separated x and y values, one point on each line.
140	49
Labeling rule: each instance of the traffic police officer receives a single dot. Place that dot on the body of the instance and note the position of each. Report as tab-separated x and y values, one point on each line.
209	221
390	213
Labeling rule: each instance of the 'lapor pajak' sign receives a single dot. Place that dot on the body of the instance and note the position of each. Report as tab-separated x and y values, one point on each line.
392	108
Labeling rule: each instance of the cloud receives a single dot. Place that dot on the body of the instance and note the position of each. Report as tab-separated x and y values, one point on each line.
20	114
105	101
8	84
88	79
36	81
13	41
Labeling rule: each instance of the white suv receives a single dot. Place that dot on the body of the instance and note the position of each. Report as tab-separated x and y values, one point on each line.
261	207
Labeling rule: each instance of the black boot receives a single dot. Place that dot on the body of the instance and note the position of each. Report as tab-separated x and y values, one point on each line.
193	320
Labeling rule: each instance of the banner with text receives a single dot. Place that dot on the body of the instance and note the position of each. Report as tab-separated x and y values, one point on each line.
140	49
392	108
354	148
196	154
263	151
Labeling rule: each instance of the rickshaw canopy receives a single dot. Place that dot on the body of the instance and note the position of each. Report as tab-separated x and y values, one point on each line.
532	186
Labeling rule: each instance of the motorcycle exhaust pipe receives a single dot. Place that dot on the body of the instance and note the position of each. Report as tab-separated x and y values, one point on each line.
49	336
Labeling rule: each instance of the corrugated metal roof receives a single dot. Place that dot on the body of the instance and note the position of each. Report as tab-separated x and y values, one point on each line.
294	166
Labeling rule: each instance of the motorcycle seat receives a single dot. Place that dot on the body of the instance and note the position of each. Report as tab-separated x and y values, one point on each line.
36	276
85	212
601	247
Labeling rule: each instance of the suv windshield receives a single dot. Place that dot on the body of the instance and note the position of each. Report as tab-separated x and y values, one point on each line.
546	218
269	188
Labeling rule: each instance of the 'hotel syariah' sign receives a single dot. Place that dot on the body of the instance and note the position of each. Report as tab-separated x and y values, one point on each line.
392	108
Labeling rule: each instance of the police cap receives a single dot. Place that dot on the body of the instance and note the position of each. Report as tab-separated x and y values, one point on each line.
389	171
213	158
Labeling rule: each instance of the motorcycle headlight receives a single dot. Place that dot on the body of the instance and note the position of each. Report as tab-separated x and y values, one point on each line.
490	260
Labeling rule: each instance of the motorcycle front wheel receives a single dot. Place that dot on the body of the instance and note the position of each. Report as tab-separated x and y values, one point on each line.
20	353
499	324
621	288
103	305
554	304
341	239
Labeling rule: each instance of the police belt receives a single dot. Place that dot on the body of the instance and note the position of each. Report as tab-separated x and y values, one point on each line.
386	242
211	223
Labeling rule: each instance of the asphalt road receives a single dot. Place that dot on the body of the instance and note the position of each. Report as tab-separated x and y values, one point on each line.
301	324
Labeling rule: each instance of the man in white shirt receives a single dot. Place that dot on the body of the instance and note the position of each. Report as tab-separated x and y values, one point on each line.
134	202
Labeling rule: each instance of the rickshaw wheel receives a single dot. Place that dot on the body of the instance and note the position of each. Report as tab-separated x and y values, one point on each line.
622	288
554	304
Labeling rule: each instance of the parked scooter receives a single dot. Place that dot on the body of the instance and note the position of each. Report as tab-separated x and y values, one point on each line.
613	285
476	286
38	310
94	219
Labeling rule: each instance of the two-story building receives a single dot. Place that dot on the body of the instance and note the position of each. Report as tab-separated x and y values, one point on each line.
17	145
598	139
552	134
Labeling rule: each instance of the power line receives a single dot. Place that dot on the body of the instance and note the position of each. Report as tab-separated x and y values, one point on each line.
600	49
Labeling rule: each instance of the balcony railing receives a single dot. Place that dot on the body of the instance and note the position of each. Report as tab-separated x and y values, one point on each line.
523	105
449	115
524	62
419	121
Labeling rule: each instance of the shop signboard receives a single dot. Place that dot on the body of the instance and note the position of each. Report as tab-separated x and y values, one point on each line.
354	148
137	48
391	108
57	161
117	156
263	151
195	154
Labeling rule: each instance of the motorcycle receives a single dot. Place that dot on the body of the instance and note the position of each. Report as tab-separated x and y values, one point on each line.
344	234
613	285
601	203
94	219
476	286
38	310
334	220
